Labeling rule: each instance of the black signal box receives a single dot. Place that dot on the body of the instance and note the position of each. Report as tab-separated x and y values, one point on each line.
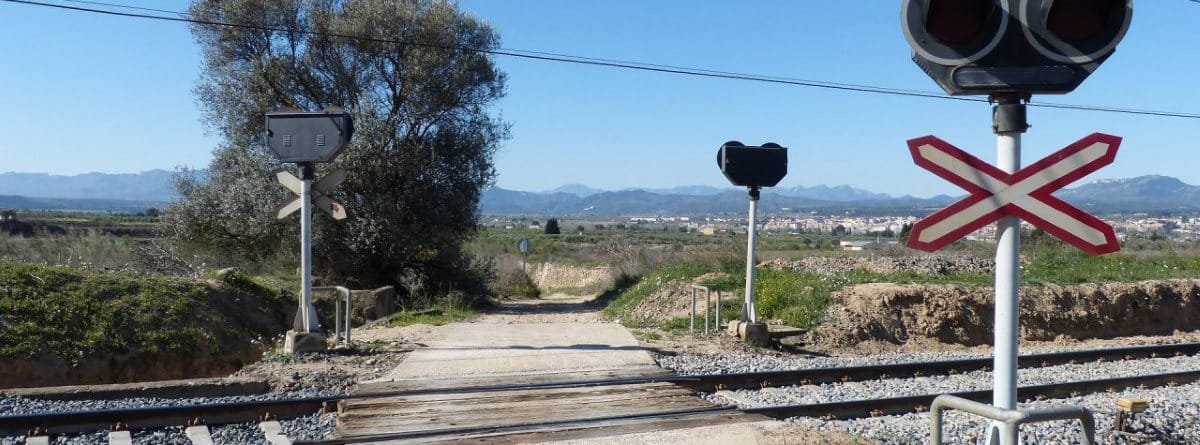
748	166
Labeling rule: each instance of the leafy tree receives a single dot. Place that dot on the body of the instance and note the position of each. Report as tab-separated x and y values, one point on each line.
579	228
422	150
552	226
905	230
840	230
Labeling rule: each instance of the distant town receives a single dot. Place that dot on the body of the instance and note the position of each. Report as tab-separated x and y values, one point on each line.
885	228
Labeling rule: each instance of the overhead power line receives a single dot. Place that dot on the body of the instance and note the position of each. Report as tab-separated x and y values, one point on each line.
581	60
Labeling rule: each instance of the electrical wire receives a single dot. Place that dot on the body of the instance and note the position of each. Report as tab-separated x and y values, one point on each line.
592	61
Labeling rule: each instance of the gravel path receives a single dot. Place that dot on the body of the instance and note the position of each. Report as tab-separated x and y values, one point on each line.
1174	416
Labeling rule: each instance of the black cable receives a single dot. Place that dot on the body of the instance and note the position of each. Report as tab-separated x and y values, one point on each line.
565	58
118	5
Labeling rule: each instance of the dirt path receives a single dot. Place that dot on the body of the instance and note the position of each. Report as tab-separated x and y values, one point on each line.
557	308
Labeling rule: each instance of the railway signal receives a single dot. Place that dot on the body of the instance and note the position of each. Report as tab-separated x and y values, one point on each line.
305	138
752	167
1018	46
1010	50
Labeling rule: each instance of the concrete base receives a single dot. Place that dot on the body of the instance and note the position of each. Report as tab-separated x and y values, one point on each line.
301	342
756	334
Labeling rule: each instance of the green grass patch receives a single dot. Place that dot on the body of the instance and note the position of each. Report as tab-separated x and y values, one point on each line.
73	315
436	315
1070	266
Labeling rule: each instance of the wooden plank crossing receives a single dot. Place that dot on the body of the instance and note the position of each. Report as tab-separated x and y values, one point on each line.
430	416
519	379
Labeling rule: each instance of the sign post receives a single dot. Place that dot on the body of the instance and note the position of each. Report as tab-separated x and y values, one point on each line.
305	138
523	246
1005	195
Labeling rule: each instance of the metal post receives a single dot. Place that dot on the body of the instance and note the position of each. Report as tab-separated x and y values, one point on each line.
707	306
718	309
692	324
307	313
341	312
751	237
1008	122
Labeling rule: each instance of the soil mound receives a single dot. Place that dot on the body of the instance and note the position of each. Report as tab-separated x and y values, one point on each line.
553	277
952	314
675	300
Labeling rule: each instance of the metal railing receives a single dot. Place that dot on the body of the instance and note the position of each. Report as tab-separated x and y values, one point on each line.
1012	419
341	318
707	308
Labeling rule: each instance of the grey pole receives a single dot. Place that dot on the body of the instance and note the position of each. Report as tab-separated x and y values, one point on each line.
306	307
1008	120
751	237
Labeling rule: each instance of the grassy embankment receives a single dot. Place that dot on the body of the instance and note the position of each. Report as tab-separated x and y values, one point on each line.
56	311
800	298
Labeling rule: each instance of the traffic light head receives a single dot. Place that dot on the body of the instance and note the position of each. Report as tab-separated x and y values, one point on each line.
754	167
1012	46
298	136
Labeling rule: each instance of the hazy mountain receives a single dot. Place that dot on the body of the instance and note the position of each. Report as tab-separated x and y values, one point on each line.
819	192
579	190
84	205
1143	193
153	185
499	201
827	193
691	190
1146	193
136	192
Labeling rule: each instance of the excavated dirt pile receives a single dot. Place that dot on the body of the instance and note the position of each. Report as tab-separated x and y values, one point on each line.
555	277
952	314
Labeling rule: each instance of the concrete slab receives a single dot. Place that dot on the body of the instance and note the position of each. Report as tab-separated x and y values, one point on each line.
503	348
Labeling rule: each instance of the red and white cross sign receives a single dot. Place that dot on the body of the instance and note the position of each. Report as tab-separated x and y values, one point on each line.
1025	193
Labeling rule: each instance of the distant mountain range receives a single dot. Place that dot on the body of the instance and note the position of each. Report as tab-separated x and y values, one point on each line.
1152	193
139	191
153	185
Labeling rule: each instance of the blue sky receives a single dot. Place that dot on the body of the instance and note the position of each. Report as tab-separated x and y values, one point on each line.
83	92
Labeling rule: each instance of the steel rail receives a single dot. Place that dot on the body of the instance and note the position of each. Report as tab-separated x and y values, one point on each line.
902	405
234	412
162	416
842	410
812	376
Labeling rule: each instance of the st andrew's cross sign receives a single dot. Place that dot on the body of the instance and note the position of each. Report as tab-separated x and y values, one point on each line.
1027	193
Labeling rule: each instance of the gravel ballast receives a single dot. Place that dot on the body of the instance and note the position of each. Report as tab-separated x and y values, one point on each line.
1173	417
314	426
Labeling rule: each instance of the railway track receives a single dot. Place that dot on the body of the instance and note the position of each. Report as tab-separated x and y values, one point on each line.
240	412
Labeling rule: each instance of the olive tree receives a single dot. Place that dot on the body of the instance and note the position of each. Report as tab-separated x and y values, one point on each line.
416	79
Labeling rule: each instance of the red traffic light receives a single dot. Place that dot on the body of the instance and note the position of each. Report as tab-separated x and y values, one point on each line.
1079	19
956	21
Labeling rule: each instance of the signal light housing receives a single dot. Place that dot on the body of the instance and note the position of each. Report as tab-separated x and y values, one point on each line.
752	167
1012	46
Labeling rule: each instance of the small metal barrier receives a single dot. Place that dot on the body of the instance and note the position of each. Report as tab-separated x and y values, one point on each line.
1012	419
707	308
341	318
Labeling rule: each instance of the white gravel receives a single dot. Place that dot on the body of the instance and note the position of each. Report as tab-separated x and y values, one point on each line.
1173	417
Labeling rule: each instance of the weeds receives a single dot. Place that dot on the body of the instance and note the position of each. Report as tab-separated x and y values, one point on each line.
436	315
